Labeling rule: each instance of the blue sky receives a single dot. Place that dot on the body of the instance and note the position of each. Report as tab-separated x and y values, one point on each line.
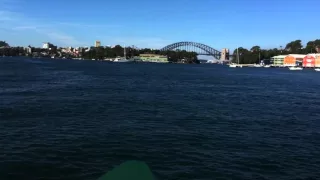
149	23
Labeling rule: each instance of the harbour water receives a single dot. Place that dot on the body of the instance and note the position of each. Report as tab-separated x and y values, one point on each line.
69	119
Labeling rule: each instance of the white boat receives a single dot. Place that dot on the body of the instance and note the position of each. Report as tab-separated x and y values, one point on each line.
267	66
123	59
233	65
317	69
120	60
257	65
295	68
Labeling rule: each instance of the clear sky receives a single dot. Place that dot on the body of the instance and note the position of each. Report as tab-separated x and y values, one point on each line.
157	23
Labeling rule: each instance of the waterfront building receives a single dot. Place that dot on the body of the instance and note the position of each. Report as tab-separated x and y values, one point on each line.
293	59
153	58
309	61
28	50
317	62
289	61
278	60
312	60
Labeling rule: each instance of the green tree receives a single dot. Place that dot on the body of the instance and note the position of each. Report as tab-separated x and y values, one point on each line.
118	50
255	49
181	56
3	44
312	46
294	46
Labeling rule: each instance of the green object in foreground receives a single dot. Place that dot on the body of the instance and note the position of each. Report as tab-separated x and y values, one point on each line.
130	170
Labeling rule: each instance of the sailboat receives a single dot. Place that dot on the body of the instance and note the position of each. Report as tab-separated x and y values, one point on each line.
123	59
258	65
233	65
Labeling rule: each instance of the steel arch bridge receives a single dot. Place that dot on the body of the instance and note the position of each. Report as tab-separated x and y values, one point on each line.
199	48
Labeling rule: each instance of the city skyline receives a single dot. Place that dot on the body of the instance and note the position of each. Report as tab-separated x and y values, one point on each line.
151	24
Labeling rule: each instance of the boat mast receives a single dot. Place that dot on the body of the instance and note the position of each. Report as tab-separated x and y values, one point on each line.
124	52
238	55
259	62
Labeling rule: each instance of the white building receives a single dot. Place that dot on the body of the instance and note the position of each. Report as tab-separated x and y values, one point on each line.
69	49
28	50
46	45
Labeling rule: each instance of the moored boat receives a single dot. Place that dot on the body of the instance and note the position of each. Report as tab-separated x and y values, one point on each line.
234	65
257	65
124	58
121	60
295	68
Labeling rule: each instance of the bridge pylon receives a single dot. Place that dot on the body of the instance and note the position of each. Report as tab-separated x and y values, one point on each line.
224	54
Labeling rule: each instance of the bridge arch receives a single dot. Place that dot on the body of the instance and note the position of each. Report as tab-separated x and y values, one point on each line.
206	50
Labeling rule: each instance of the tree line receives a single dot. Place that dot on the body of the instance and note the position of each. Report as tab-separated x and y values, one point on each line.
255	54
99	53
118	51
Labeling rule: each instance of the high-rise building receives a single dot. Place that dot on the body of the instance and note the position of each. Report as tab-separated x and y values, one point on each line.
97	44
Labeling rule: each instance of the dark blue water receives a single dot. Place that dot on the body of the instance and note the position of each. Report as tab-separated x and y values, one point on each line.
67	120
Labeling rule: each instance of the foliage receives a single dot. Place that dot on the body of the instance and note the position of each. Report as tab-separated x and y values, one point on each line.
313	46
182	56
255	49
294	47
16	51
3	44
118	51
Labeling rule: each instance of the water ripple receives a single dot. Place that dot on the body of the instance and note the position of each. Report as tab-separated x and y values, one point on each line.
65	120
